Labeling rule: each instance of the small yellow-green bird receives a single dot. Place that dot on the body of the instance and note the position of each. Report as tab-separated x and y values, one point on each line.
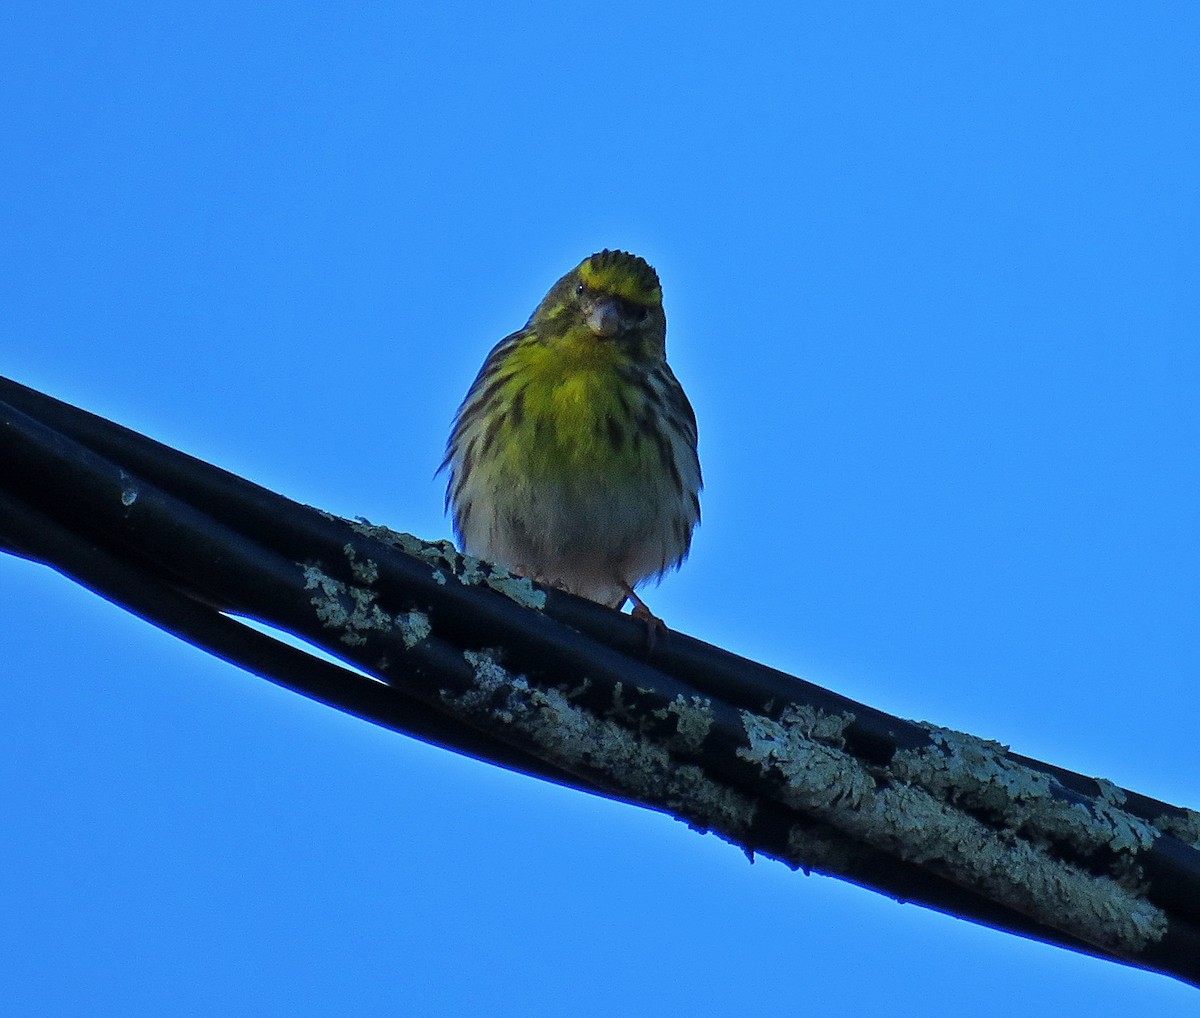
573	457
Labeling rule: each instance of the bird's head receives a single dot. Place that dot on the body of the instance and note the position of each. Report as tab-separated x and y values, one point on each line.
613	296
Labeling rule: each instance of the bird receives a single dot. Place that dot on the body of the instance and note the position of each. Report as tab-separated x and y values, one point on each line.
573	458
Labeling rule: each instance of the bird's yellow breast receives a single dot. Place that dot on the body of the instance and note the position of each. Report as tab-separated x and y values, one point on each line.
571	412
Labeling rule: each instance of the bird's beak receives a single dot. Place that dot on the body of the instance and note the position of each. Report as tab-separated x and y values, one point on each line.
605	318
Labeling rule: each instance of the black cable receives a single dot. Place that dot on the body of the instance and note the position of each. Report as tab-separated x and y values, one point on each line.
174	539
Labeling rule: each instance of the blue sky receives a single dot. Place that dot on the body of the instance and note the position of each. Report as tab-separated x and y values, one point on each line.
930	275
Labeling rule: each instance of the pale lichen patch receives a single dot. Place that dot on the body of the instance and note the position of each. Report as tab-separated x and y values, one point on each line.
129	490
980	774
1185	827
414	627
1123	832
353	611
916	826
817	724
601	750
880	808
693	721
365	571
445	559
817	774
516	588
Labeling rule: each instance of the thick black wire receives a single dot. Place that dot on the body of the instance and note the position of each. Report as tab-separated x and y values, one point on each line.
277	522
242	521
33	535
255	513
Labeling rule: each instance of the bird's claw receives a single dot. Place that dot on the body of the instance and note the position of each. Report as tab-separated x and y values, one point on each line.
655	627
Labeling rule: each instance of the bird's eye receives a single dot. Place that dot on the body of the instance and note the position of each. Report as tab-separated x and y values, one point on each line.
580	290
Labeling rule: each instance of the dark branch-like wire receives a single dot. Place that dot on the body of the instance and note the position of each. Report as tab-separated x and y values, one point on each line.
35	536
470	658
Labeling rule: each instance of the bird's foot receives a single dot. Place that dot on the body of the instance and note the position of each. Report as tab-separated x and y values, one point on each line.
655	627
